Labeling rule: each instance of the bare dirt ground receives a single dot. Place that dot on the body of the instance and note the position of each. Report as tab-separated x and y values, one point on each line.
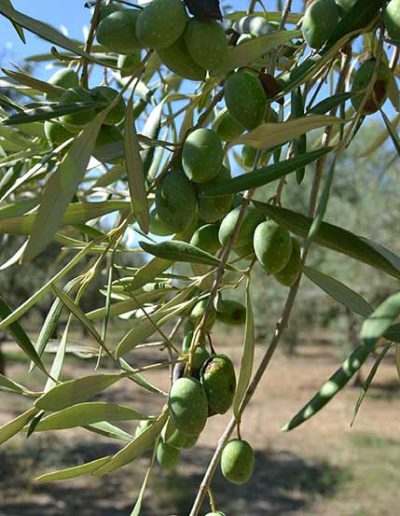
322	468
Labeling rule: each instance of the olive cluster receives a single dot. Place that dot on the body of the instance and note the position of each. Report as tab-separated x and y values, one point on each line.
319	23
92	101
189	47
204	385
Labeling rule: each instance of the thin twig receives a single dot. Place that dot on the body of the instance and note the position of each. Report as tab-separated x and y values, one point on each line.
89	43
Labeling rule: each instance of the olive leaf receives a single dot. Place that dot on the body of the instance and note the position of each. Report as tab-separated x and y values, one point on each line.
73	472
135	170
274	134
84	414
134	449
373	329
76	391
61	187
336	238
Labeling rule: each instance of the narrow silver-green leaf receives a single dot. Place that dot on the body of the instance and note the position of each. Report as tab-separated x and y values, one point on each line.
80	315
21	338
135	171
180	252
128	305
76	213
108	430
392	132
366	385
49	112
13	427
326	105
6	384
134	449
22	77
44	31
50	324
339	292
76	391
149	325
138	505
372	330
61	188
246	364
84	414
246	53
45	289
17	27
75	471
265	175
271	135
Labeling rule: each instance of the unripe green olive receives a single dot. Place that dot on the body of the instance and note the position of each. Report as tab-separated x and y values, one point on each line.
198	312
117	31
180	440
227	127
161	23
75	121
177	59
380	90
176	201
206	238
65	78
319	22
187	402
245	98
109	145
167	455
128	64
202	155
212	209
219	381
244	241
273	246
158	226
392	19
290	273
231	312
56	133
206	43
237	461
108	95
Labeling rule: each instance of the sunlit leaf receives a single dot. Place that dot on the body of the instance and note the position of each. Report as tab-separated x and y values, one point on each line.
21	338
339	292
246	365
61	188
271	135
372	330
265	175
72	392
84	414
13	427
135	171
75	471
134	449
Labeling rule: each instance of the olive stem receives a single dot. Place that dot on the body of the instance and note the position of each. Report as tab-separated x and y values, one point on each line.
89	42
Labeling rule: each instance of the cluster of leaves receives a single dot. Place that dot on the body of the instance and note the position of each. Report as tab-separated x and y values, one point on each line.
58	189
